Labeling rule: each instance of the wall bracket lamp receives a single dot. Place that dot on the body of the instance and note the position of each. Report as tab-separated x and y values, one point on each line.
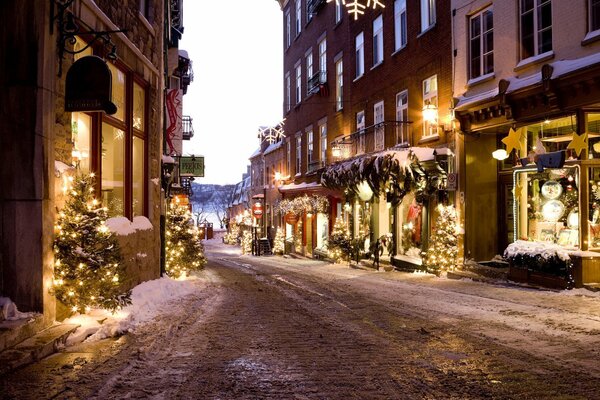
69	29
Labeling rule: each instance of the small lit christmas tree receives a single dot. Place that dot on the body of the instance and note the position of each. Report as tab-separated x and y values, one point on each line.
246	242
340	243
297	236
88	266
443	245
231	237
184	251
279	242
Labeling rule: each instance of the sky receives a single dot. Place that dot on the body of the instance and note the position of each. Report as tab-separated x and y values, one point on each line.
236	48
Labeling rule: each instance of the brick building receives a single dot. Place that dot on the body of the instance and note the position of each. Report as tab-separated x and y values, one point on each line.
42	144
356	88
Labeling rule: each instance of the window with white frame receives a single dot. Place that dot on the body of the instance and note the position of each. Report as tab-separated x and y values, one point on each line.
298	153
323	138
309	147
430	102
360	54
289	157
288	29
339	85
536	27
309	14
309	71
400	32
298	17
481	43
288	92
378	40
298	83
338	11
360	130
402	117
323	60
594	13
427	14
379	126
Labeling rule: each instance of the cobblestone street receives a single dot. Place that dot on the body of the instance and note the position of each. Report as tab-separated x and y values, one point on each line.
274	328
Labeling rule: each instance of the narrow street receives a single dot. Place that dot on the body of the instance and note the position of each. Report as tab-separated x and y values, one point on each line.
274	328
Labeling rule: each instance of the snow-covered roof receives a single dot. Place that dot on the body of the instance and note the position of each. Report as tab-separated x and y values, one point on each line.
464	101
272	147
183	53
257	152
304	185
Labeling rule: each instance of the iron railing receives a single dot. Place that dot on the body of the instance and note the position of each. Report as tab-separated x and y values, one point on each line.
314	82
187	127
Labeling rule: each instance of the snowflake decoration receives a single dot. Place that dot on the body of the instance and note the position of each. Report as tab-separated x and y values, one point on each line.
272	133
357	7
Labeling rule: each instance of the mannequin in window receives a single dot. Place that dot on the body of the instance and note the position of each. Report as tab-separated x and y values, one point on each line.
414	217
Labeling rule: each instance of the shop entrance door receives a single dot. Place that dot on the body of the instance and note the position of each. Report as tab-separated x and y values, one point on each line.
506	220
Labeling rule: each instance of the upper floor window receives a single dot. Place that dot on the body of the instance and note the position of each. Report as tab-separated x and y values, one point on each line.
360	54
427	14
323	59
323	136
288	29
481	46
309	71
298	154
298	83
309	13
400	33
360	129
145	9
594	13
309	147
402	117
430	100
536	27
339	85
338	11
298	17
289	157
378	40
379	126
288	92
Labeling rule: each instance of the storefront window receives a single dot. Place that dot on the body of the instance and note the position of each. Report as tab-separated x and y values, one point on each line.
139	100
546	205
411	218
553	134
322	230
593	130
594	208
113	177
81	134
118	91
138	175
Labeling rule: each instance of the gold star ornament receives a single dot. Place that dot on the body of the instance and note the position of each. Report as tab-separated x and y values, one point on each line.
579	143
512	141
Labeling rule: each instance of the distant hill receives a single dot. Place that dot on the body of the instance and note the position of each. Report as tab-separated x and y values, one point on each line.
210	201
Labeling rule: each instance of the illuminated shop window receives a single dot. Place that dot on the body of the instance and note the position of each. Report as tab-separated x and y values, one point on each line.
81	136
118	91
113	172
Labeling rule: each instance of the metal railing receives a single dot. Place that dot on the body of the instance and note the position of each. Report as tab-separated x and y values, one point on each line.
187	127
314	82
373	138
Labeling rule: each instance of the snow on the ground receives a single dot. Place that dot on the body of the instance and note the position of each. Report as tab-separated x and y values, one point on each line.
9	311
123	226
148	300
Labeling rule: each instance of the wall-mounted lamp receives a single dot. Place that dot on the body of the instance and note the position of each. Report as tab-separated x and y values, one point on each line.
430	113
336	151
277	176
500	154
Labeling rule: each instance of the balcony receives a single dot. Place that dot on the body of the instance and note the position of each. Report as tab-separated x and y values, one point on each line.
187	127
318	83
314	6
371	139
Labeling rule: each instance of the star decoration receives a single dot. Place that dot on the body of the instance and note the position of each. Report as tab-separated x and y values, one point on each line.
272	134
579	143
357	7
512	141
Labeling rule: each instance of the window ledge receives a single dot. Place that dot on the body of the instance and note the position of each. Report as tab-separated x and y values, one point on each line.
591	37
298	174
358	77
426	139
480	79
146	23
430	27
376	65
399	50
534	60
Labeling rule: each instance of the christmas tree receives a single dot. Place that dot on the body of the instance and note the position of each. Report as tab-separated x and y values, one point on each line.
443	245
279	242
231	237
246	242
340	243
88	264
184	251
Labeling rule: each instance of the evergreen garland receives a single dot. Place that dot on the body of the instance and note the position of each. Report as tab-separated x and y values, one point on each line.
88	265
184	251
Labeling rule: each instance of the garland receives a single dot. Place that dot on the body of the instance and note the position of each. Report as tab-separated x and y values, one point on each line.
309	204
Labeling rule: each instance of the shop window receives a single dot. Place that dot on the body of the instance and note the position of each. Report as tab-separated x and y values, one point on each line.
546	206
593	130
113	169
81	136
594	208
139	161
322	230
118	91
554	135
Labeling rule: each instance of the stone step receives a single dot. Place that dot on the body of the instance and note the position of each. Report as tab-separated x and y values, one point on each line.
14	332
36	347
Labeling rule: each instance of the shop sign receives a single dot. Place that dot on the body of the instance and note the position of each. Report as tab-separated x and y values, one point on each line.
257	210
191	166
88	86
452	182
291	218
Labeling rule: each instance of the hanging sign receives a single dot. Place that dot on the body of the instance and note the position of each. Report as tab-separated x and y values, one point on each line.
291	218
88	86
452	182
191	166
257	209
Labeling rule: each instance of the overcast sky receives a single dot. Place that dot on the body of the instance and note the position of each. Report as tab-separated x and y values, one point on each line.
236	50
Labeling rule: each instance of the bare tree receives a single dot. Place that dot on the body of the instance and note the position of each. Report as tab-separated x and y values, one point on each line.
219	201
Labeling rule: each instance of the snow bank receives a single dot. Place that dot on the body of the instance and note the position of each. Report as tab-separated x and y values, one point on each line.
546	250
60	167
9	311
123	226
148	300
